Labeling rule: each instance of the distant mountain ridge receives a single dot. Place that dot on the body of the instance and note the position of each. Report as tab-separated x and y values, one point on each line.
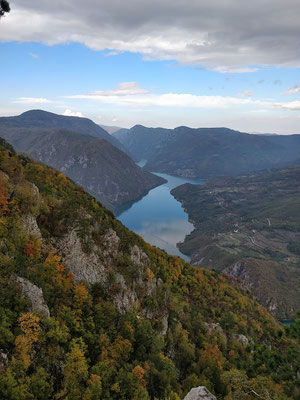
49	120
88	158
110	129
207	152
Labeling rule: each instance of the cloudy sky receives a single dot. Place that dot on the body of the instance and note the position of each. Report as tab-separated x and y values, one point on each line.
157	63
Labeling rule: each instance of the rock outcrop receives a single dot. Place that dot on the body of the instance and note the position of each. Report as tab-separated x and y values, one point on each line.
35	295
200	393
241	339
84	266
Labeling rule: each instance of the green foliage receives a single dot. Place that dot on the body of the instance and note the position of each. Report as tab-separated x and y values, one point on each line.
91	348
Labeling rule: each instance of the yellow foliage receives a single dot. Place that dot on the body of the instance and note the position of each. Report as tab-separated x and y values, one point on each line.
94	389
149	275
29	324
81	294
23	350
120	350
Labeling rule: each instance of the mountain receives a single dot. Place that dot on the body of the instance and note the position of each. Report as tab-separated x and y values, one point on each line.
91	161
88	310
110	129
207	152
249	227
143	143
46	120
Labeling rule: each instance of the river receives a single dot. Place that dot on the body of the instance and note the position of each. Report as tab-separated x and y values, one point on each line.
159	218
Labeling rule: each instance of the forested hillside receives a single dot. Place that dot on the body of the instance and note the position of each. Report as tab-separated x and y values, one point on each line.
249	227
88	310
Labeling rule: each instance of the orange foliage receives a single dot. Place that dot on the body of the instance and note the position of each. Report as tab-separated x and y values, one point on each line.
139	372
63	179
211	355
3	195
146	367
81	294
200	277
231	354
30	249
57	271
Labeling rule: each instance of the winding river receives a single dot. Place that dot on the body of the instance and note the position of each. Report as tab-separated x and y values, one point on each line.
159	218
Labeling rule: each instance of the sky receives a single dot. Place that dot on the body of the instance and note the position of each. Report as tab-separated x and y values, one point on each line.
160	63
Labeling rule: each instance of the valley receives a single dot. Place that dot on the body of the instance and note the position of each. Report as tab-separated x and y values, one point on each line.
150	200
159	218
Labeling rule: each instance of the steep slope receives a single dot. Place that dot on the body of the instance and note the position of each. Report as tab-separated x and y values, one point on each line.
249	227
143	143
110	129
46	120
102	169
127	321
207	152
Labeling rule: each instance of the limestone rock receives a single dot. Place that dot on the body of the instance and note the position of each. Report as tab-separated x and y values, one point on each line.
110	244
35	295
138	257
31	226
213	328
242	339
84	266
125	298
200	393
3	361
239	271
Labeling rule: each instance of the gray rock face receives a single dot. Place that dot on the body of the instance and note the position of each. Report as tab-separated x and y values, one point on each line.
31	226
238	270
35	295
3	361
138	257
242	339
200	393
110	244
213	328
84	266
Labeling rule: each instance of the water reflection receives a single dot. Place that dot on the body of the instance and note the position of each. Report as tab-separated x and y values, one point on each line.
159	218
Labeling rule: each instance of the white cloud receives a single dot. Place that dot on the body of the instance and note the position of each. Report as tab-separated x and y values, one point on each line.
293	90
289	105
31	100
71	113
123	89
226	36
131	94
171	100
246	93
33	55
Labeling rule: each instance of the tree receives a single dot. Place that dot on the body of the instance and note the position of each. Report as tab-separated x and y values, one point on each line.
4	7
